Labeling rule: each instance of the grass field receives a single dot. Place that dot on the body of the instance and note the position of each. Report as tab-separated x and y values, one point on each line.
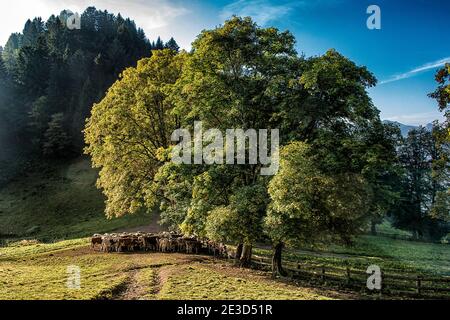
393	255
421	257
39	271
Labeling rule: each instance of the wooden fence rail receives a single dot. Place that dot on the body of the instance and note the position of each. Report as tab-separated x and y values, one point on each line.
418	285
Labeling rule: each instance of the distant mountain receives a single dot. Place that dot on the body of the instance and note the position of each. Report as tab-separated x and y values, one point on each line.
405	129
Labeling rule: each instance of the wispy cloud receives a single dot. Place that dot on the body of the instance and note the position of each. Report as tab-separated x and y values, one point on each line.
262	11
151	15
148	14
415	71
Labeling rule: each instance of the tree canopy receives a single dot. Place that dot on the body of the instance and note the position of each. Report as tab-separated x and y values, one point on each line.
240	75
128	128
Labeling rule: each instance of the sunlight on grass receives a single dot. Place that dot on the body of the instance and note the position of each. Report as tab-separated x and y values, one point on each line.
194	282
17	250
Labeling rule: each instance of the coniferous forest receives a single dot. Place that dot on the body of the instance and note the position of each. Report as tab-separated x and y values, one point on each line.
51	77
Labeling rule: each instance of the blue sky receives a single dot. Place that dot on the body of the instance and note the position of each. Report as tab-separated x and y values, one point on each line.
404	54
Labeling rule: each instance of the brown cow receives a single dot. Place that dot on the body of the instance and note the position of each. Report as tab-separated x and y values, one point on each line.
181	245
150	243
109	244
125	244
96	241
193	246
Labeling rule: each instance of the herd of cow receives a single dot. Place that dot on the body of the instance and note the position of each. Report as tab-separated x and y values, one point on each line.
163	242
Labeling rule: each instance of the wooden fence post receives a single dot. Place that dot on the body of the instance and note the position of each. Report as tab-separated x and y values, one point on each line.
348	274
382	286
419	285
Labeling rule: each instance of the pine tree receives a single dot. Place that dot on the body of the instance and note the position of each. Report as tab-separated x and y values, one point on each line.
39	117
159	45
32	31
48	60
56	139
172	45
11	51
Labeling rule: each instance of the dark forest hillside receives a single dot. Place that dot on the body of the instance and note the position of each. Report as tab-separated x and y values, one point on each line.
51	76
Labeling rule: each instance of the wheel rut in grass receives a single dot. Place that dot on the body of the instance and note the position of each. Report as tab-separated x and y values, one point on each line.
132	289
161	276
162	273
141	285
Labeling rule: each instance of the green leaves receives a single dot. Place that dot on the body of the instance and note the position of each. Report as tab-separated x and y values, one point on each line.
242	76
309	206
128	128
424	198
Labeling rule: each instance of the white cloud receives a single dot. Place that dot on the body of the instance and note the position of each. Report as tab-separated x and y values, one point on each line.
415	71
262	11
148	14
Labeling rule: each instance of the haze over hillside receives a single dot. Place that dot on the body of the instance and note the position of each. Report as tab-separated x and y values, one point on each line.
405	129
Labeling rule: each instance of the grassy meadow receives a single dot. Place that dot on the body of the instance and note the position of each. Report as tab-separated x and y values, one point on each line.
39	272
395	257
57	210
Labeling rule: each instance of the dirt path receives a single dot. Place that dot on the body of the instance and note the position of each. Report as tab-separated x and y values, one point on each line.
133	289
160	277
138	286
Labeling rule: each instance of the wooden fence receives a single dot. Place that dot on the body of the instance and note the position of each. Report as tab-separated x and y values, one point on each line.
392	284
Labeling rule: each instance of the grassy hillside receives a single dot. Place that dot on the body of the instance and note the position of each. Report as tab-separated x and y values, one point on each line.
58	202
402	254
392	255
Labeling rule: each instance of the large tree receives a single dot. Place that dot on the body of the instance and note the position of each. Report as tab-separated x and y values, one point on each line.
329	108
241	76
441	133
129	126
309	206
233	79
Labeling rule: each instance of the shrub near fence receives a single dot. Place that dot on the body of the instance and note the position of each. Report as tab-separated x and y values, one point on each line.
419	286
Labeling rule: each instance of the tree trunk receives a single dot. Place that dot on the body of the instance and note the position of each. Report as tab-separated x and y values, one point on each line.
237	256
246	258
277	268
373	228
